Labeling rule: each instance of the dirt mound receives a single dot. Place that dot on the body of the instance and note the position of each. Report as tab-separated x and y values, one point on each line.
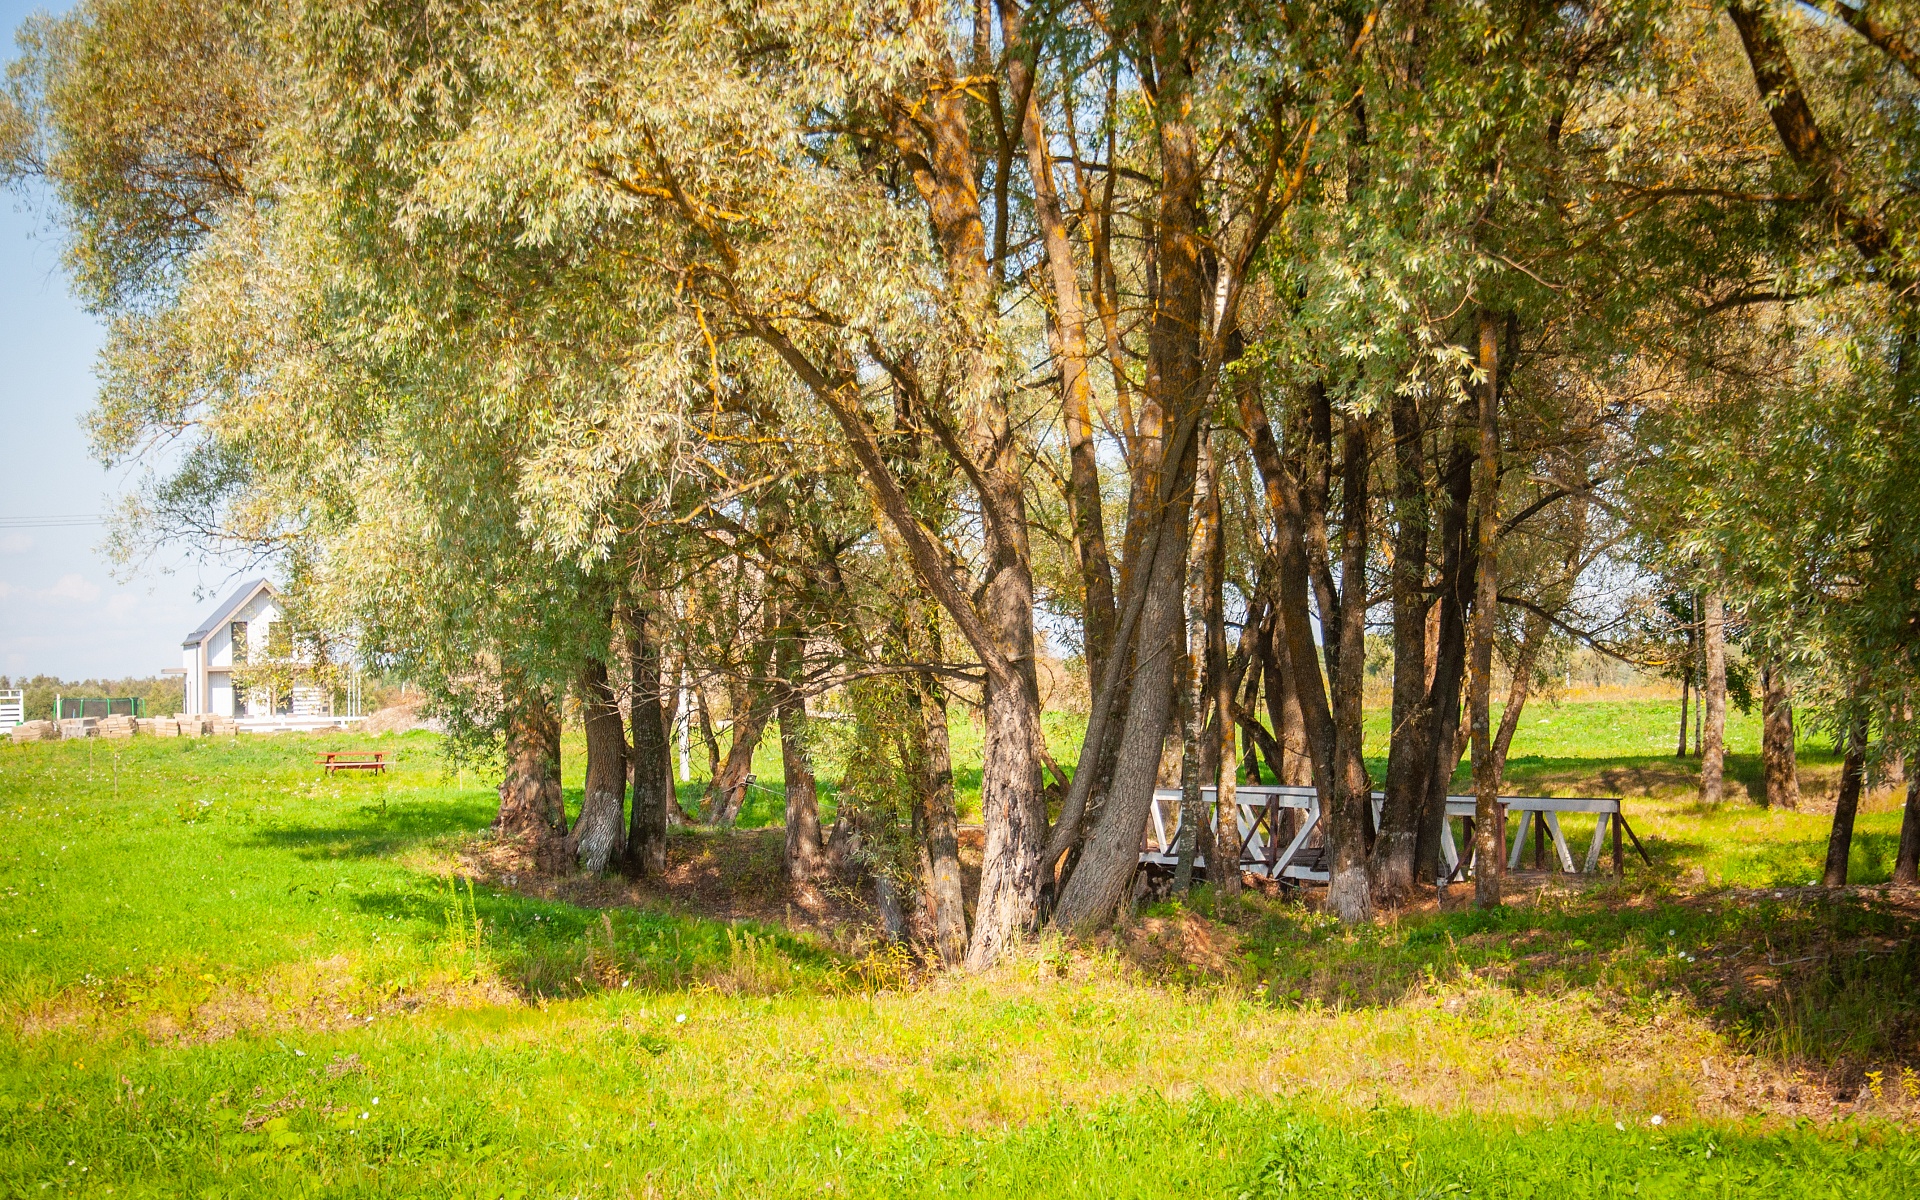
402	717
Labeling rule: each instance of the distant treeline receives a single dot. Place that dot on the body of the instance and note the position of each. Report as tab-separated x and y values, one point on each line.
164	696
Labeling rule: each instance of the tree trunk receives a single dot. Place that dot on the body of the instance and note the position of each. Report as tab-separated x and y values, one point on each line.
1299	657
1012	802
1223	856
1177	333
1409	756
1189	711
803	795
652	768
531	803
1713	745
598	835
1193	677
1457	587
1295	769
1069	330
936	826
1349	829
1259	740
1699	701
1013	806
1686	685
1112	849
1853	772
1906	864
1777	752
707	737
1489	827
1532	636
728	790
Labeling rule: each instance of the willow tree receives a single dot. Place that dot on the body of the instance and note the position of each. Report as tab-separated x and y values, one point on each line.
1782	469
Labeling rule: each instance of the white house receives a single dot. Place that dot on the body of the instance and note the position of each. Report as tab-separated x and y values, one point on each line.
209	655
239	632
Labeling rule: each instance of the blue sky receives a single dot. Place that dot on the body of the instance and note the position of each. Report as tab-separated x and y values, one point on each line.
62	610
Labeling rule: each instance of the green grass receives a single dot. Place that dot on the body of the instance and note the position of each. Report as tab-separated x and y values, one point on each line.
213	959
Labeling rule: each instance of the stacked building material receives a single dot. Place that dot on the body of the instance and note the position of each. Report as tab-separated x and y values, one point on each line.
35	731
160	726
119	725
79	727
221	726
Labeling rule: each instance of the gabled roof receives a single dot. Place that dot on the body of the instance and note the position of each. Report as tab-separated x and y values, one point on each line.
225	612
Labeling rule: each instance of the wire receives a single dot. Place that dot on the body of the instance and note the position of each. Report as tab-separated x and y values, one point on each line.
69	521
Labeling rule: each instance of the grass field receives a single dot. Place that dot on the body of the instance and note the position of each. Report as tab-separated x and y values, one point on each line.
223	974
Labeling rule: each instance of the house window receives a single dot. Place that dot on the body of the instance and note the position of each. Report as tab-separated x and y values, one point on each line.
238	632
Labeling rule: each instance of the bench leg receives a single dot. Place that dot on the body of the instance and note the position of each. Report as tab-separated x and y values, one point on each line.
1559	842
1599	842
1519	840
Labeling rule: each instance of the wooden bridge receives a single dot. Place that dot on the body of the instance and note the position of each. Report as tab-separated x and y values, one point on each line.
1281	835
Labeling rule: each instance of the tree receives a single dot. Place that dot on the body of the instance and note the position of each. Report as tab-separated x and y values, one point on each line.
1713	699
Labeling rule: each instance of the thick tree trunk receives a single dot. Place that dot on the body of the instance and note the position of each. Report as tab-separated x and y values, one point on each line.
936	826
1853	776
1351	818
803	795
1177	334
935	144
531	803
1409	754
1906	864
598	835
1777	752
1713	700
654	802
1013	804
1489	827
1112	849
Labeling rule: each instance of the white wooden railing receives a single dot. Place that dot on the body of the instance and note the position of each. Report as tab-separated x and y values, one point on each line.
1268	851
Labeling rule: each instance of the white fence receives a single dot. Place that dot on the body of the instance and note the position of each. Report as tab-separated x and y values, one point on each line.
13	710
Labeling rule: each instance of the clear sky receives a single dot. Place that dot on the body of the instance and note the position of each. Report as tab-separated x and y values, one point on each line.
62	610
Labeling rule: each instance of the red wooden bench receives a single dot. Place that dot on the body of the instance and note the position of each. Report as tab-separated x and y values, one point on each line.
354	760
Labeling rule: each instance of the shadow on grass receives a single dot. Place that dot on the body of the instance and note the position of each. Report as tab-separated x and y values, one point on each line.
547	948
1807	977
1800	863
370	829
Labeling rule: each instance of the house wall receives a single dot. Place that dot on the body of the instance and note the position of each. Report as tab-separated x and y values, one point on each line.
195	699
259	613
209	683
